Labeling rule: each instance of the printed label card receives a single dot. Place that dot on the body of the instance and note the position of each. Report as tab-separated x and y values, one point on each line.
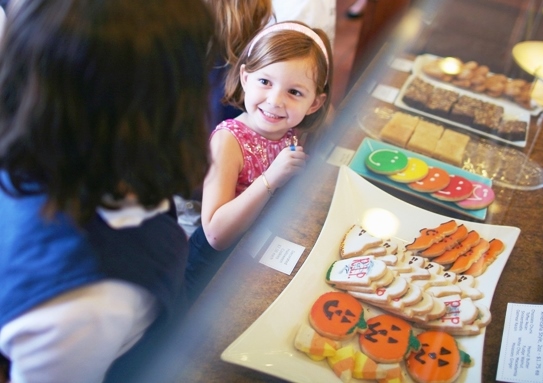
521	353
282	255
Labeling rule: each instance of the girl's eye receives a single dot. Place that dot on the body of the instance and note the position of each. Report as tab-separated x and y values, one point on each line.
295	92
263	81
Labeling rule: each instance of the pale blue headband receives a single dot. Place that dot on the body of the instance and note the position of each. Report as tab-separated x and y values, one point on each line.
292	27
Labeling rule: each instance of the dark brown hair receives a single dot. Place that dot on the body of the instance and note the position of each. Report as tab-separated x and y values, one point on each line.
284	45
104	97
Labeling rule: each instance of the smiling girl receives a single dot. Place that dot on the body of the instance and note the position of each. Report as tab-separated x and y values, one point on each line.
282	83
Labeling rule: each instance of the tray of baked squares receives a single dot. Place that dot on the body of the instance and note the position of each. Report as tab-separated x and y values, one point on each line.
504	165
474	99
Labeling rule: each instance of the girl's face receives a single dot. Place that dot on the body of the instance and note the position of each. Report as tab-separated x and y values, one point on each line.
279	96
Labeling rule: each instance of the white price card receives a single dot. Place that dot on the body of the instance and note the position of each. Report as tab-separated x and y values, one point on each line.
385	93
521	353
282	255
340	156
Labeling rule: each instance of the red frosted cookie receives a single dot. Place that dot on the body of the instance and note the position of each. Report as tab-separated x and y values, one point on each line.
435	180
386	161
388	339
337	315
459	188
481	196
439	359
416	170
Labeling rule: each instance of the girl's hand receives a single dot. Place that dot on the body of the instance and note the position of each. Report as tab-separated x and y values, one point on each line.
285	165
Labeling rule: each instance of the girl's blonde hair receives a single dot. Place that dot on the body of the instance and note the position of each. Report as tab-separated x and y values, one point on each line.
237	21
284	45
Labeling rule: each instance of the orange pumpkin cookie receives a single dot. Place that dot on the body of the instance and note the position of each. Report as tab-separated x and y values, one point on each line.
495	248
446	243
439	359
337	315
388	339
428	237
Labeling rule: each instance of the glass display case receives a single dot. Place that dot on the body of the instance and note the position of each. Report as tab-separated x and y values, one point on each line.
253	311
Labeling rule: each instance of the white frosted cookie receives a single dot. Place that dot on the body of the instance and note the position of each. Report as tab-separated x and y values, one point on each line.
357	241
460	317
361	271
384	294
384	281
467	285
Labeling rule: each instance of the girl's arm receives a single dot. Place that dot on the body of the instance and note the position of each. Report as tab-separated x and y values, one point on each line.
226	217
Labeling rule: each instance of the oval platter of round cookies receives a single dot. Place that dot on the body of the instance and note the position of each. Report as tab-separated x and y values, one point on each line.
424	177
389	293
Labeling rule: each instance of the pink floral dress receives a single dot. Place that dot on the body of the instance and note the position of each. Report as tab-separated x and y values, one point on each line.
258	152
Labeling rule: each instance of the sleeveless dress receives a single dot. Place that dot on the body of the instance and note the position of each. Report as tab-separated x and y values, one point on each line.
258	153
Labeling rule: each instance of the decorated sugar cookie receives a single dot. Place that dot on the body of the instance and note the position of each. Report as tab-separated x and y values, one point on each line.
386	161
481	196
459	188
457	250
495	248
342	363
439	359
388	339
416	170
337	315
366	368
428	237
357	241
446	243
471	256
435	180
313	344
361	271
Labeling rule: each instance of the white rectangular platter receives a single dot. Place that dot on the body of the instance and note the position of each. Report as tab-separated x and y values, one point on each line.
268	344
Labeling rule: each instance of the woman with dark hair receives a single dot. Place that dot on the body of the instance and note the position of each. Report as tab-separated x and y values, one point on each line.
102	120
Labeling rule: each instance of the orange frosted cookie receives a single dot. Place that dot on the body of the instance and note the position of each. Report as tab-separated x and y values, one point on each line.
337	315
428	237
439	359
495	248
388	339
457	250
467	259
435	180
446	243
